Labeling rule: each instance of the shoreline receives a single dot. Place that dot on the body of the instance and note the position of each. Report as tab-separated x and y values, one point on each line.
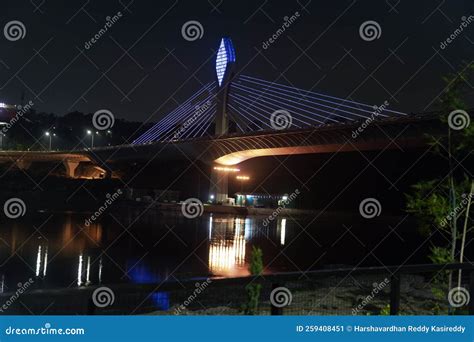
175	208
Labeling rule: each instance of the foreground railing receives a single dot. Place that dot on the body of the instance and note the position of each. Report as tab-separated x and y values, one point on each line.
406	290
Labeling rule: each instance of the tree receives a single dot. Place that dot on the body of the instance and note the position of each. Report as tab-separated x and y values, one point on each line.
253	289
444	204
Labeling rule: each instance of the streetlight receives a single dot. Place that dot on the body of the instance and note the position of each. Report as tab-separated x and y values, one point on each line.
109	133
89	132
48	134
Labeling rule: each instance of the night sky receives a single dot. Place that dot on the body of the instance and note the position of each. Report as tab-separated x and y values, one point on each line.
143	67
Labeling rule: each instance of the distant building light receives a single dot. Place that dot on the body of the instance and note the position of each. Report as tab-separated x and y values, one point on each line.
284	198
211	197
249	196
243	177
226	169
4	105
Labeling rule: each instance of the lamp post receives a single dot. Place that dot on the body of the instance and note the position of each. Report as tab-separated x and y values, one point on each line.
89	132
50	136
109	133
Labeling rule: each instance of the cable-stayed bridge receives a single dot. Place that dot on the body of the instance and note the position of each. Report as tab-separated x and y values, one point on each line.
255	105
243	117
238	117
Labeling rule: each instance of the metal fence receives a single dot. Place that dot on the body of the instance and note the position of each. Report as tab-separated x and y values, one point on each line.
406	290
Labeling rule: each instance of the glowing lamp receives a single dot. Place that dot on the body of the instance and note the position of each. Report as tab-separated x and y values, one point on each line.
226	169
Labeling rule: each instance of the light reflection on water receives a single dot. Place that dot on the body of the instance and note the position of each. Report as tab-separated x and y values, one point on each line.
227	247
63	252
94	251
228	243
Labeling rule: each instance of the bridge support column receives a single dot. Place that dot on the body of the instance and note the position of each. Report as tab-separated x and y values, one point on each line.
22	164
219	187
222	124
71	167
102	172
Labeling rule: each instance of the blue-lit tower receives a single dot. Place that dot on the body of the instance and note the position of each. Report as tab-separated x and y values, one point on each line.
225	61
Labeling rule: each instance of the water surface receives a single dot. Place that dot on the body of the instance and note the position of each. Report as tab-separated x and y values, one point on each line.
130	246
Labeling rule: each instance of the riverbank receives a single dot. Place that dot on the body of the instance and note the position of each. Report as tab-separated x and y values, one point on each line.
238	210
245	211
325	292
329	296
